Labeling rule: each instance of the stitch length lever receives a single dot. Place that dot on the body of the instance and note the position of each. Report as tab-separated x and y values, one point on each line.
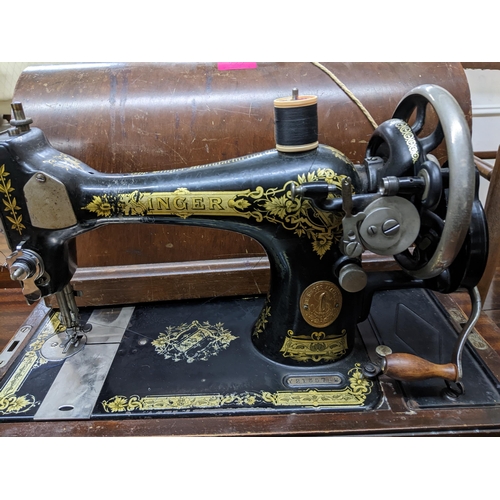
351	245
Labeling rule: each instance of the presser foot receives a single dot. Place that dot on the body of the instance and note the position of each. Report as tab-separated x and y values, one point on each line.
65	344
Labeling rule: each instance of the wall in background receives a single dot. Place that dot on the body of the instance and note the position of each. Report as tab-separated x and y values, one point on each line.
9	73
485	96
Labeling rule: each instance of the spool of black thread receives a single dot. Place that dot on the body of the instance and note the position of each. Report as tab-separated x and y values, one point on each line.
296	123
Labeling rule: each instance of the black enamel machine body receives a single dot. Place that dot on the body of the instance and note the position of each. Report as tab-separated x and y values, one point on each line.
316	214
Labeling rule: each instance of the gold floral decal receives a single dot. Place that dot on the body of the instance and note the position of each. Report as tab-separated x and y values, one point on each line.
194	342
10	202
15	404
10	402
316	347
273	205
410	140
359	384
300	215
338	154
149	403
102	206
353	395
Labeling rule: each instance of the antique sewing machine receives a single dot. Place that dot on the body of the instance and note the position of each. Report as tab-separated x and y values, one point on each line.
326	331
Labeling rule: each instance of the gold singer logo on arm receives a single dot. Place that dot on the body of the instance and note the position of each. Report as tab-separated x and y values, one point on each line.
274	205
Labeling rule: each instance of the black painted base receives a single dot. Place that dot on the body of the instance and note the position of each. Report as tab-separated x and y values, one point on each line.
197	358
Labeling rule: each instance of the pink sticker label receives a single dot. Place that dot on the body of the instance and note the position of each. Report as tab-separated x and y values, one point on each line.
228	66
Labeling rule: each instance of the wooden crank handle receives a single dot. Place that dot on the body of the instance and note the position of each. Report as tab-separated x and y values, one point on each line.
402	366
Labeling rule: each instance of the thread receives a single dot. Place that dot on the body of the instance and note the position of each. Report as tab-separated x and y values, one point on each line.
348	92
296	123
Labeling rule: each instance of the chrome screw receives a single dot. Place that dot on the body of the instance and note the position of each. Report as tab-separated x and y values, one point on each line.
390	227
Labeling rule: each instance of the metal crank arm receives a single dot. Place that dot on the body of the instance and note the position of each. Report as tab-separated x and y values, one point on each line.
408	367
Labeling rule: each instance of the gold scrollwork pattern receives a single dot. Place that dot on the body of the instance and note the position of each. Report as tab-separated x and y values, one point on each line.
16	404
409	138
10	203
63	160
353	395
357	382
193	342
339	155
316	347
151	403
262	320
273	205
10	401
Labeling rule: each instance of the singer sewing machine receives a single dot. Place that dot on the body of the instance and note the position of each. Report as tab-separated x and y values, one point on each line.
326	333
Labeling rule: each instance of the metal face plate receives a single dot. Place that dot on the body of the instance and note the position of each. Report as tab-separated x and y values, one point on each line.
48	203
320	303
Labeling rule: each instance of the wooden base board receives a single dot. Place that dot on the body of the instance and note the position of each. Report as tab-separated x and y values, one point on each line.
112	285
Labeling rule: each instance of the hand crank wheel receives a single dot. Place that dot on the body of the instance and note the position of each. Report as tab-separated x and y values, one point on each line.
453	126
